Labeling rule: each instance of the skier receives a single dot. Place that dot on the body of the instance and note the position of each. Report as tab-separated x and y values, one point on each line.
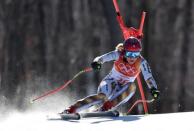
118	86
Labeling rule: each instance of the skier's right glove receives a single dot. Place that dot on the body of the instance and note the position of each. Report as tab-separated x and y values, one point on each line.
155	93
96	66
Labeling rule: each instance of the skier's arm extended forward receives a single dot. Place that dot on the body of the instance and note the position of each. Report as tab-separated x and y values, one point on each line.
98	61
113	55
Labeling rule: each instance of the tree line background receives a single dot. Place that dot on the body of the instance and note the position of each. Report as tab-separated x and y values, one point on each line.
43	43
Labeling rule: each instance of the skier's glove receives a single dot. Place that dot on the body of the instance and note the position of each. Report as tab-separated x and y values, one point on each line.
96	66
155	93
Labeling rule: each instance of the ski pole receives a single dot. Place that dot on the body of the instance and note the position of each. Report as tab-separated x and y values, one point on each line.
139	101
88	69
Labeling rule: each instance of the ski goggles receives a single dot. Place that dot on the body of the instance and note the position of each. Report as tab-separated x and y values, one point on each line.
129	54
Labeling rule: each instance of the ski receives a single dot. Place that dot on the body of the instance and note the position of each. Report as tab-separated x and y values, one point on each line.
67	117
74	116
78	116
100	114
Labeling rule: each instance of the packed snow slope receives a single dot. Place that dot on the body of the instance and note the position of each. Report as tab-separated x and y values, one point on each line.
151	122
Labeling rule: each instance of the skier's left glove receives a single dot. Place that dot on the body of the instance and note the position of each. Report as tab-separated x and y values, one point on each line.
155	93
96	66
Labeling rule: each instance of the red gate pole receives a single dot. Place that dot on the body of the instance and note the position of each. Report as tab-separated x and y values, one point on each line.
127	32
142	94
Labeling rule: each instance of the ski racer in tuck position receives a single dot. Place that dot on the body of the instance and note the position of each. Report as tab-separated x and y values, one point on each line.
118	86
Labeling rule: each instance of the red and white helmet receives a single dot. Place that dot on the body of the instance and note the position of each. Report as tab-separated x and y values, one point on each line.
132	44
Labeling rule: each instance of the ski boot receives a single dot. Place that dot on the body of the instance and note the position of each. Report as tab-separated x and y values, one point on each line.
70	114
106	106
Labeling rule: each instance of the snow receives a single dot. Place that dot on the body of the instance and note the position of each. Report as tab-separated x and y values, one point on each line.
152	122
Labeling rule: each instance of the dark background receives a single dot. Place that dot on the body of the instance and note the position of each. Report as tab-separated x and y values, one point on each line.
43	43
